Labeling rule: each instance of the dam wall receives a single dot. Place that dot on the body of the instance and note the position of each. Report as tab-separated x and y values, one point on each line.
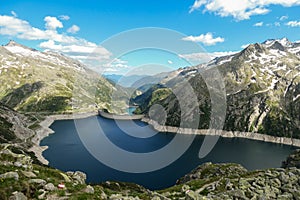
227	134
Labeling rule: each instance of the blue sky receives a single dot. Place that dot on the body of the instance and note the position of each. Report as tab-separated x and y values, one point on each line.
74	27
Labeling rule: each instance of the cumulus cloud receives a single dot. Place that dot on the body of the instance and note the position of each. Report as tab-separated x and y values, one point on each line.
73	29
293	23
77	48
242	9
258	24
52	23
206	39
81	50
204	57
64	17
21	29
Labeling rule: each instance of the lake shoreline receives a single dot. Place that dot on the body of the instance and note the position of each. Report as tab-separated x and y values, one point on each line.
45	131
223	133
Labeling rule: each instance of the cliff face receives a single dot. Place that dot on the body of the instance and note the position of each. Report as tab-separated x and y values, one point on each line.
14	126
262	90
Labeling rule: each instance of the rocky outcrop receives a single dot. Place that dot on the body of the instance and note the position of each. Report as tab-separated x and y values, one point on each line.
293	160
232	181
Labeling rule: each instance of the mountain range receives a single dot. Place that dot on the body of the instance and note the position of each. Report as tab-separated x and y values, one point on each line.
262	92
262	85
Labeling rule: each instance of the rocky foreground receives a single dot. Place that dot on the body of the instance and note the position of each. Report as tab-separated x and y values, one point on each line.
23	177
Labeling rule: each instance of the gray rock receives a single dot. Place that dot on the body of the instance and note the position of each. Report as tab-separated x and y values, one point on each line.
18	164
275	183
283	177
13	175
17	196
42	196
285	196
28	174
79	176
49	187
89	189
103	195
37	181
115	197
69	173
191	195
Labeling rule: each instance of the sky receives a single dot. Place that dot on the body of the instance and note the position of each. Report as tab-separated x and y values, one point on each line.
76	28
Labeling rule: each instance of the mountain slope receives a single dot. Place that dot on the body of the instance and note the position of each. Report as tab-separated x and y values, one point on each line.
262	87
34	81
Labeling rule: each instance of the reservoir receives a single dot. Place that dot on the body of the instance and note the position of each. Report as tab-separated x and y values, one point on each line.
68	153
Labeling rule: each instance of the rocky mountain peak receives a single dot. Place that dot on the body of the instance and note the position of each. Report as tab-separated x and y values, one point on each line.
13	43
283	41
278	46
251	49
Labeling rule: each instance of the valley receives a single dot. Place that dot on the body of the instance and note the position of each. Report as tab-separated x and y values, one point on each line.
262	91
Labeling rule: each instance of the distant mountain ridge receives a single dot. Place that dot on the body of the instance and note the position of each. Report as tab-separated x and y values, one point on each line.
262	87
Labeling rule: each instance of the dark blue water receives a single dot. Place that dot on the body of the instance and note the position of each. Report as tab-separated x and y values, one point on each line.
66	152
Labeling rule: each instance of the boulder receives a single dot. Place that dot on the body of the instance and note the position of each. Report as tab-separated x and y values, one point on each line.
37	181
89	189
18	164
42	195
80	177
191	195
17	196
28	174
49	187
13	175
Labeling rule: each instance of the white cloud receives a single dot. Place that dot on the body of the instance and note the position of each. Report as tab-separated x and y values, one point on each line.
81	49
258	24
73	29
206	39
14	13
52	40
245	46
115	65
19	28
52	23
284	17
204	57
170	62
64	17
293	23
241	9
